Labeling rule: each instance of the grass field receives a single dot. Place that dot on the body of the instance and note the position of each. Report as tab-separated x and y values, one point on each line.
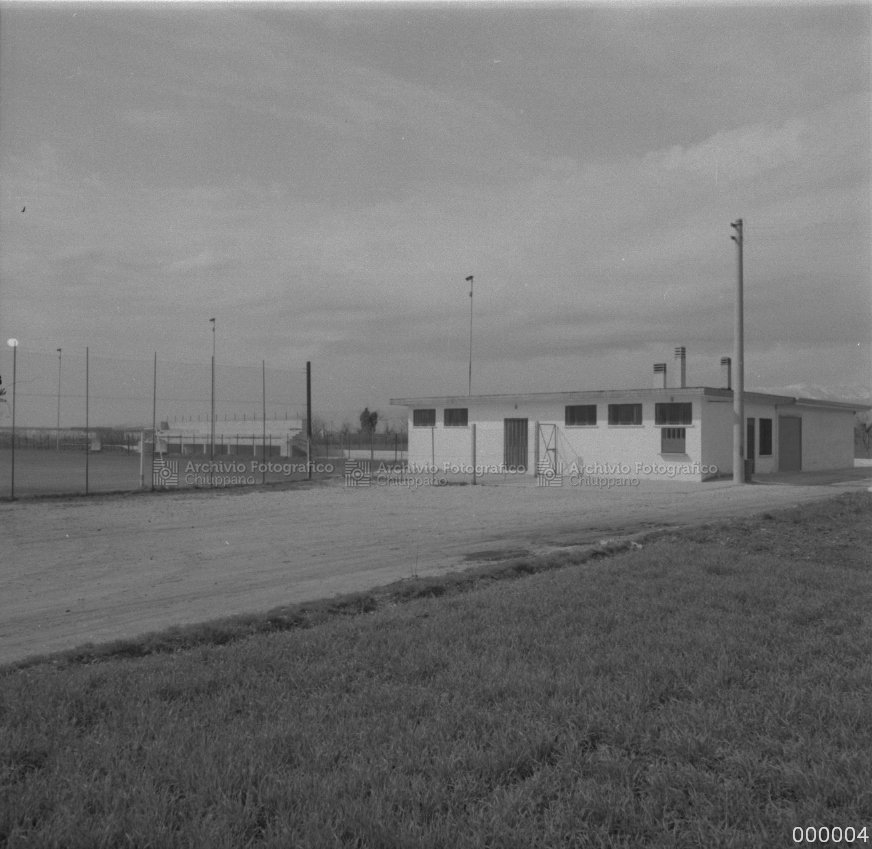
710	689
48	472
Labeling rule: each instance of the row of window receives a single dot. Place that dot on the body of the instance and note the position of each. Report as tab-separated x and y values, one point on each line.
454	417
579	415
672	439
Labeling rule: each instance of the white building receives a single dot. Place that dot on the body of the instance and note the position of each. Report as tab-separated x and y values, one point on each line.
235	438
681	433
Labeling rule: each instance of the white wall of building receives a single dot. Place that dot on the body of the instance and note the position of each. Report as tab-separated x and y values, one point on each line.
601	449
617	451
827	437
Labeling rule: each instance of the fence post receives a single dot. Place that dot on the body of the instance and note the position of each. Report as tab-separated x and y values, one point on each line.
87	434
538	430
473	454
154	424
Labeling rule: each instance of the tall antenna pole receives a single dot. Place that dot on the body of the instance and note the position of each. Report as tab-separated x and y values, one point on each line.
469	280
739	355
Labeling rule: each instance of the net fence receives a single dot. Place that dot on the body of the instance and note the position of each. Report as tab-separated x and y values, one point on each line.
80	422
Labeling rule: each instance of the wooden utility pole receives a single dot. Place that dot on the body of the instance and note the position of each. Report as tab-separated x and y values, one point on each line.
309	419
739	356
469	280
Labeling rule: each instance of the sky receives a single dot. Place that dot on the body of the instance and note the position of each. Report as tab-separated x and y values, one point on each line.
322	178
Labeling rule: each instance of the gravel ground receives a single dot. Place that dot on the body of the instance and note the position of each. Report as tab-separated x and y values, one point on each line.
83	570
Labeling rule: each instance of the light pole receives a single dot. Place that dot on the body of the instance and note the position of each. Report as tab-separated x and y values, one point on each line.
739	343
469	280
13	343
212	418
58	439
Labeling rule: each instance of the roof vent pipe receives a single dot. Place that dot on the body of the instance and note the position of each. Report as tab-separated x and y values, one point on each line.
727	372
681	356
660	375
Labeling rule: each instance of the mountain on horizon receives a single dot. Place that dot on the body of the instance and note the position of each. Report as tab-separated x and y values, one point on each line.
818	392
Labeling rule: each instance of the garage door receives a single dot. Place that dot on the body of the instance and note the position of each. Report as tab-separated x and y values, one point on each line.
789	444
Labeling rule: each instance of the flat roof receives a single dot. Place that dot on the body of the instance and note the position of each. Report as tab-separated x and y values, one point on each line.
708	392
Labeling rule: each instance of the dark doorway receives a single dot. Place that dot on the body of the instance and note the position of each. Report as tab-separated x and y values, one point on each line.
516	450
789	444
751	443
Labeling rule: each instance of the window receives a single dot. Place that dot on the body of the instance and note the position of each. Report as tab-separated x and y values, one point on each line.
673	414
581	414
458	417
765	437
424	418
625	414
672	440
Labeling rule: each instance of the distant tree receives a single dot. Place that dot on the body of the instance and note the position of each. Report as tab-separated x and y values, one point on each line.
345	429
368	421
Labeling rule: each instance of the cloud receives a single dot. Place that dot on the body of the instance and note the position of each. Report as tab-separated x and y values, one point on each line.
203	261
330	202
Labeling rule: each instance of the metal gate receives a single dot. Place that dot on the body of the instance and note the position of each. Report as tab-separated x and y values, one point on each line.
789	444
516	450
546	442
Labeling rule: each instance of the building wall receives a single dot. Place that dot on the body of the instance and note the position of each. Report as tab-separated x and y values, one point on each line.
601	449
617	451
827	437
717	436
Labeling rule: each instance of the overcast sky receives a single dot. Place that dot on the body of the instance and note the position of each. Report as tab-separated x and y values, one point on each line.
322	178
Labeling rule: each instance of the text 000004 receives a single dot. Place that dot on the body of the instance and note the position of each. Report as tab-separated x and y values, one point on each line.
824	834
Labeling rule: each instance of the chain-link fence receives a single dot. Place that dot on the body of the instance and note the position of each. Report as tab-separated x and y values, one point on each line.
85	423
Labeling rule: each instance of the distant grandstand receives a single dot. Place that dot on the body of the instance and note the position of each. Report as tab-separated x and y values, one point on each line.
251	437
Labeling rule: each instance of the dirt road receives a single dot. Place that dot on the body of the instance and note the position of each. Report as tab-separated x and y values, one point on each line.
89	570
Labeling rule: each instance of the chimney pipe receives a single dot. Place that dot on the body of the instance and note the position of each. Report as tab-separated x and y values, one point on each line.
660	369
727	372
681	355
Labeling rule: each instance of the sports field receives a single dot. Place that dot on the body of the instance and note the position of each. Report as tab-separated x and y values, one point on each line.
47	472
90	570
